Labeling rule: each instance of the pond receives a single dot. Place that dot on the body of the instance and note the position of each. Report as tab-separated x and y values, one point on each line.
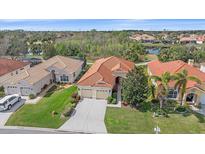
153	51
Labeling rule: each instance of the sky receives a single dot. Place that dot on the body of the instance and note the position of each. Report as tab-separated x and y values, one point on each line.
101	24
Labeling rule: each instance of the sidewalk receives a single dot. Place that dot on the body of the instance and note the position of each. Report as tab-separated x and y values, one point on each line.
32	130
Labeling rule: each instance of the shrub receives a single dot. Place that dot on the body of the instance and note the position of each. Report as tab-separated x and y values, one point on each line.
1	89
32	96
181	109
144	106
2	94
109	99
68	111
74	95
78	98
114	101
73	101
170	106
54	113
161	112
154	105
114	95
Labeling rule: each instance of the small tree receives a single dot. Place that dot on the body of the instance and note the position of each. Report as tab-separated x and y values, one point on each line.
135	86
181	82
163	87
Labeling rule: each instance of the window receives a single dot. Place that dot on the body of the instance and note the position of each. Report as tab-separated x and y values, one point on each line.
16	72
172	93
12	98
64	78
74	74
101	90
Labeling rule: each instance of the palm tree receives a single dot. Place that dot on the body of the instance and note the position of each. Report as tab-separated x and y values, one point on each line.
163	87
181	82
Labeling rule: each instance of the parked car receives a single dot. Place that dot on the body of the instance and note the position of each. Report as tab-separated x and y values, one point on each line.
8	101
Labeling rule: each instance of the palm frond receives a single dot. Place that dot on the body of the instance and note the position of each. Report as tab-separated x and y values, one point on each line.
193	78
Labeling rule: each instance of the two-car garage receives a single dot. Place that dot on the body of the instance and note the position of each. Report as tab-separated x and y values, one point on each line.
94	92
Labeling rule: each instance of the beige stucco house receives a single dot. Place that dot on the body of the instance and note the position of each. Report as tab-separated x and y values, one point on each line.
10	68
34	80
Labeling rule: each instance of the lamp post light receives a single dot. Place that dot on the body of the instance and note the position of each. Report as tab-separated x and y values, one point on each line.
157	130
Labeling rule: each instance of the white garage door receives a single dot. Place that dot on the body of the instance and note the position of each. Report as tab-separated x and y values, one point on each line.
25	91
202	99
86	93
12	90
101	94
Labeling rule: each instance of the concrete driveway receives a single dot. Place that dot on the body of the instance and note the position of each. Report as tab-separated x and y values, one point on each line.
4	115
88	117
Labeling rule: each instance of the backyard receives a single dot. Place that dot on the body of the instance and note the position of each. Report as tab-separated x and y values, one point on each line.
40	114
128	121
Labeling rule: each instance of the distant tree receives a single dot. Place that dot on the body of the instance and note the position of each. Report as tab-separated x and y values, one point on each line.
174	53
48	50
135	52
135	87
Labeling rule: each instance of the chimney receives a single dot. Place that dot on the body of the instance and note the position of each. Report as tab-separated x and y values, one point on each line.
191	62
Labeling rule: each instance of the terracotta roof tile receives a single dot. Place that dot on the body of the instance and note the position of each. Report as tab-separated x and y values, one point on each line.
8	65
101	72
158	68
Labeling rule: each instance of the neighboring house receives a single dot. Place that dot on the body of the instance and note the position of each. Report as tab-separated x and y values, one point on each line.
195	93
186	39
200	39
103	77
34	80
10	68
194	39
145	38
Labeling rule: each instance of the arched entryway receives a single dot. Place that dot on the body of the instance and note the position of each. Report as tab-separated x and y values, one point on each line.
191	98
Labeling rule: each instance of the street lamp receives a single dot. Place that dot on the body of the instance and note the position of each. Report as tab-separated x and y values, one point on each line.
157	130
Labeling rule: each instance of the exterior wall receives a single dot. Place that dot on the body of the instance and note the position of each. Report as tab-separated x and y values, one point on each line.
71	77
14	73
77	73
25	89
37	87
94	91
17	88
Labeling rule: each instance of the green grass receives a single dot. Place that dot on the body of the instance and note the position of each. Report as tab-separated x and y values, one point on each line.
126	120
40	114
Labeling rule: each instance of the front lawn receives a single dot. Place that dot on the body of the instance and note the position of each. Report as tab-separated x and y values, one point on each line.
40	114
126	120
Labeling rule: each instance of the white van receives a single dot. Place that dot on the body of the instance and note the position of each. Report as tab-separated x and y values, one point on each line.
8	101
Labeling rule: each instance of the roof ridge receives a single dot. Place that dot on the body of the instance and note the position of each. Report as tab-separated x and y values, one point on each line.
181	65
96	69
57	56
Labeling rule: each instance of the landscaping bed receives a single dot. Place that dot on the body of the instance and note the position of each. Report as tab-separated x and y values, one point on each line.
47	112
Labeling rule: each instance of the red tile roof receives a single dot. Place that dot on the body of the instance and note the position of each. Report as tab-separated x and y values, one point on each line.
8	65
158	68
101	72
